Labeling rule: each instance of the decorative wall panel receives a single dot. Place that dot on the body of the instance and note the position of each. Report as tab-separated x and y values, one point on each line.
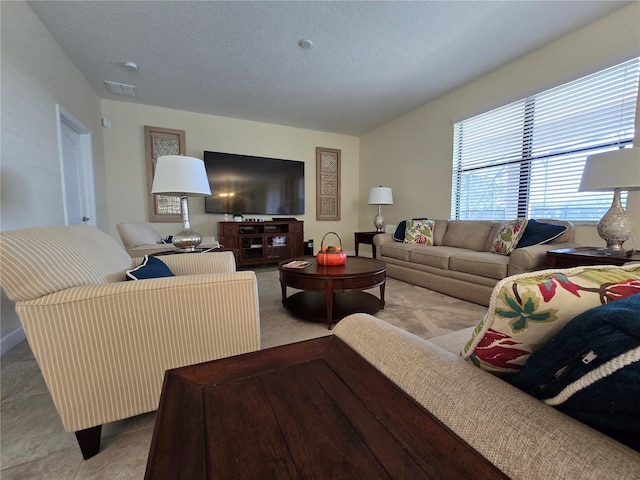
327	183
158	142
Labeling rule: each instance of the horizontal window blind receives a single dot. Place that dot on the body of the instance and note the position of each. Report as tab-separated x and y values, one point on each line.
526	159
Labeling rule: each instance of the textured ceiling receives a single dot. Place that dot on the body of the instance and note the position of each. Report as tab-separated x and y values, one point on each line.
370	61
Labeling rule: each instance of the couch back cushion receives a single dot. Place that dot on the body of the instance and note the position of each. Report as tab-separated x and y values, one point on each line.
41	260
439	230
134	234
470	234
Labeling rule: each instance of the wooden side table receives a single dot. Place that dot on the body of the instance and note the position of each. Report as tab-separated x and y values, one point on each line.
367	239
585	256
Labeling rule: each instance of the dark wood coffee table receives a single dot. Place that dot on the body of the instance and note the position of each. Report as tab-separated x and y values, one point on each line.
309	410
330	293
584	256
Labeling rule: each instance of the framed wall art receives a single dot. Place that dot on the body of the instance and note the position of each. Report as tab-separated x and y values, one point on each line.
327	183
158	142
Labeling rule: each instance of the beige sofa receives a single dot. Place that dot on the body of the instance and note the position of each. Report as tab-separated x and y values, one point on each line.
460	263
522	436
103	343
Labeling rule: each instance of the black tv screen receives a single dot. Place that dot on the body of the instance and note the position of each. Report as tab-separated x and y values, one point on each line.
255	185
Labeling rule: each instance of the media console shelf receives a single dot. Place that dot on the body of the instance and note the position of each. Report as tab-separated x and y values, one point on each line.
260	243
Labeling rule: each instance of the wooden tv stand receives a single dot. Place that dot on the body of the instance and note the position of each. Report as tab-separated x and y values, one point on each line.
262	243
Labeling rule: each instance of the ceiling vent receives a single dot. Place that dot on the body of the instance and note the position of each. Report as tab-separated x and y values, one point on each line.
120	88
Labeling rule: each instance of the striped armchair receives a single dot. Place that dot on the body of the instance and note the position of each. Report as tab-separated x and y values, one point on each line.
140	239
103	343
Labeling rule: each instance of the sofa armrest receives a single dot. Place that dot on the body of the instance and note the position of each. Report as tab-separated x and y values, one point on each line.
199	263
528	259
103	349
382	238
142	250
522	436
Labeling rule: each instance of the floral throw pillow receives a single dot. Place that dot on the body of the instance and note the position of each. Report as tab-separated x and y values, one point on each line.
419	231
526	310
508	235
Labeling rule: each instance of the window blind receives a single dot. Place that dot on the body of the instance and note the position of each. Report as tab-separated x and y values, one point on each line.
526	159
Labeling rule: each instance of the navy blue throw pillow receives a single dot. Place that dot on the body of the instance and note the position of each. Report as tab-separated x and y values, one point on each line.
151	267
537	233
401	229
590	370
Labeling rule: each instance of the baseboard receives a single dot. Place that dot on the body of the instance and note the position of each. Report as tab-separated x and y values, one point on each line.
11	340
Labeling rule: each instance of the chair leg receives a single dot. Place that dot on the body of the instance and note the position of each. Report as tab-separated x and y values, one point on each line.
89	441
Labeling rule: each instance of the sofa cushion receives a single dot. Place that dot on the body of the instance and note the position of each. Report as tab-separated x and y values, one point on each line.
508	236
439	231
537	233
151	267
526	310
485	264
419	231
468	234
397	250
591	369
437	257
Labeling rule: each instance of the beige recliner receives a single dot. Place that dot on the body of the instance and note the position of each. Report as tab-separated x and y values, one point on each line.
103	343
140	239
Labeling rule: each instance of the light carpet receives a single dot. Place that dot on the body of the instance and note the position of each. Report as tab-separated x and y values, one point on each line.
35	446
420	311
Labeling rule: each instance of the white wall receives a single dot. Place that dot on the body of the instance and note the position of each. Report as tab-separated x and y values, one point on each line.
413	153
37	75
126	174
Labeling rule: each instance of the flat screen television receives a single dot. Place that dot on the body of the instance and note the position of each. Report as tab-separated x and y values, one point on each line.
255	185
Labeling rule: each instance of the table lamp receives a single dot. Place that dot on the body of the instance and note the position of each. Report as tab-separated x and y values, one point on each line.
177	175
616	170
380	196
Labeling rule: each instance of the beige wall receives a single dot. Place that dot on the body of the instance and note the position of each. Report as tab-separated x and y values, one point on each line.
37	75
413	153
125	163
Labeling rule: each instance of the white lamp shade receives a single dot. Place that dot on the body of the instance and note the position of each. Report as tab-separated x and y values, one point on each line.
380	196
611	170
178	175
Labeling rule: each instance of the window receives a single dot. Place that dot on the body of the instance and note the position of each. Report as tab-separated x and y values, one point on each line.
526	159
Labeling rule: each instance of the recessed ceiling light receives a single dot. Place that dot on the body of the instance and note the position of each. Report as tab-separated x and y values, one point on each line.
131	65
304	43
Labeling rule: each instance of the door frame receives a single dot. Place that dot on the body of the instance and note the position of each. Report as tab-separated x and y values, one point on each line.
86	165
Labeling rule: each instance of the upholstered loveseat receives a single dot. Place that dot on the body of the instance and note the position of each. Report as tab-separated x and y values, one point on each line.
525	437
140	239
460	263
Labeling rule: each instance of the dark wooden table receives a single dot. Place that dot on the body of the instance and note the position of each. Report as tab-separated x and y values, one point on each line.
309	410
367	239
330	293
585	256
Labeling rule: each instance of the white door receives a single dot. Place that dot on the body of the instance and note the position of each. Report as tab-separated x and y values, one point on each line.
77	170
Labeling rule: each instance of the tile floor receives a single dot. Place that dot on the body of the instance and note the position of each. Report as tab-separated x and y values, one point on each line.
35	446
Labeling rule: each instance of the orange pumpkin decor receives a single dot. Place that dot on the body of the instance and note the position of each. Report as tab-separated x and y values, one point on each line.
331	255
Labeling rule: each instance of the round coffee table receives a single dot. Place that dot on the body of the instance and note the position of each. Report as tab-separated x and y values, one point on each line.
330	293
